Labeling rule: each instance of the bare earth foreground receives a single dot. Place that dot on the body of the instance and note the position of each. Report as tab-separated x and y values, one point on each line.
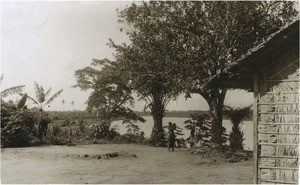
79	164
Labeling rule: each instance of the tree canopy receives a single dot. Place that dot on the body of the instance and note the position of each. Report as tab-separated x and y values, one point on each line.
150	60
176	47
217	33
111	90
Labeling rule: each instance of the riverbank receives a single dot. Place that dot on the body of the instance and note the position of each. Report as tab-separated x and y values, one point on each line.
134	164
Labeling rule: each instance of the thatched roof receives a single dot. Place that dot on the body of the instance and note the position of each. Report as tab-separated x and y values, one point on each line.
239	74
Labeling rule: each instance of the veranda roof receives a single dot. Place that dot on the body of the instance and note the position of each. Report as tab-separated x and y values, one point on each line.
239	74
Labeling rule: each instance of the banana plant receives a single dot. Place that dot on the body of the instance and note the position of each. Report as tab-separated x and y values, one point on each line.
22	102
41	101
42	97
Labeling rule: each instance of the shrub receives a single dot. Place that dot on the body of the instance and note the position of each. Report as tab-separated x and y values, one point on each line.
200	131
17	126
15	135
138	138
199	126
57	135
133	134
132	128
181	142
6	111
82	125
104	131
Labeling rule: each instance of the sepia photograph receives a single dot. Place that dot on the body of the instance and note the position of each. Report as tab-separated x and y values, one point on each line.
149	92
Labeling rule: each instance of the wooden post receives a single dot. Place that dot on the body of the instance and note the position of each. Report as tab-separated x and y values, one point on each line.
255	130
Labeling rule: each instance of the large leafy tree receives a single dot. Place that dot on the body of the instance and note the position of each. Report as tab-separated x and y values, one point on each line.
217	33
111	91
195	40
178	46
150	60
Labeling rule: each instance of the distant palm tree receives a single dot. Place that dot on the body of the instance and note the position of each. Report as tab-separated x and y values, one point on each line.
72	103
237	115
63	102
11	90
41	101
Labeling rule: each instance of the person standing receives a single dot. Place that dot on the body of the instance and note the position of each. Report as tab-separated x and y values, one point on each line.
171	139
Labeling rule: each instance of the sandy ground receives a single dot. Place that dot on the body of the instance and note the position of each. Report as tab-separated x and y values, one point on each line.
61	164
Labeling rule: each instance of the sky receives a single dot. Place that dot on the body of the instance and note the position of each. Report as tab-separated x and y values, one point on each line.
45	42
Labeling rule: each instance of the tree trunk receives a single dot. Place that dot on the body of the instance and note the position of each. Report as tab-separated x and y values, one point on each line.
157	136
40	130
216	104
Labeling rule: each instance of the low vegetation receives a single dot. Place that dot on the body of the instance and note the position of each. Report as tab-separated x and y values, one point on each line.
26	127
17	126
200	132
85	132
20	127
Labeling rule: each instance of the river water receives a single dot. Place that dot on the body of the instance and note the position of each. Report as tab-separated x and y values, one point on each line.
146	127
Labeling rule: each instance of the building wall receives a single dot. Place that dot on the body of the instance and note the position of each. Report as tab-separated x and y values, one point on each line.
276	121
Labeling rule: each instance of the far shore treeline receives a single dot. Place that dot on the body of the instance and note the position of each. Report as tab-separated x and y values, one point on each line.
61	115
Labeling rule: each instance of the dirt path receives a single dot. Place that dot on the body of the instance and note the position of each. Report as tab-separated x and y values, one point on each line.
61	164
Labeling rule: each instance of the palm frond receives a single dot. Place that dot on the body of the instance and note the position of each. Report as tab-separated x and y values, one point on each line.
237	115
37	92
42	96
12	90
30	98
146	106
189	127
1	79
48	92
53	97
22	102
36	88
42	90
